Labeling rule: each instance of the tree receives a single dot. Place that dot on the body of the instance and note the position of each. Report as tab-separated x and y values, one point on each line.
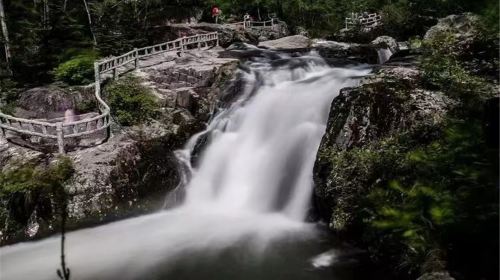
5	35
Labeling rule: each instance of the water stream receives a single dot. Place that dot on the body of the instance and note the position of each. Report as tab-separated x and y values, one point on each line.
243	216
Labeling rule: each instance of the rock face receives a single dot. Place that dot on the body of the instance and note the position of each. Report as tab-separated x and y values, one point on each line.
384	105
51	101
290	42
365	53
386	42
132	173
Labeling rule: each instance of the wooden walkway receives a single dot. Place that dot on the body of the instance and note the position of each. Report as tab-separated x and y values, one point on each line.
62	130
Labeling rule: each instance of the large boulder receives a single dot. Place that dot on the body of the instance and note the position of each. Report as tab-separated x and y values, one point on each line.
386	42
479	53
290	42
364	53
382	107
52	101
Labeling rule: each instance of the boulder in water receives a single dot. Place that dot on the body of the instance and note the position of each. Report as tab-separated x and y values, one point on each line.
386	42
290	42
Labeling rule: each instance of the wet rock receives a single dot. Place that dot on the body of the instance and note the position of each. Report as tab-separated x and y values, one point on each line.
364	53
386	42
290	42
442	275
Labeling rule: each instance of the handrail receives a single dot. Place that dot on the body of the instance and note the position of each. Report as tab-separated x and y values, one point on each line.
62	129
258	24
367	20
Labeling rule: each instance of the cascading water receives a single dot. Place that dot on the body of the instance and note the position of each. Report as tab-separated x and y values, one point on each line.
245	204
384	54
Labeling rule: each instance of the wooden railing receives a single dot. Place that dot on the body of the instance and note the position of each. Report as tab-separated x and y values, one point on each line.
271	24
363	20
60	129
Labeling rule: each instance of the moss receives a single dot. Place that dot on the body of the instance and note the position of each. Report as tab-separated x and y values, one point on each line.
9	94
30	187
29	177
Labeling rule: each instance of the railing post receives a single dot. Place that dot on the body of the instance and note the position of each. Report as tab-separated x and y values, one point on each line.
182	45
136	58
114	72
97	83
60	138
217	39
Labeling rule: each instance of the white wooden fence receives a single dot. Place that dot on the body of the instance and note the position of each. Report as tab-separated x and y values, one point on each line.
268	24
60	130
364	20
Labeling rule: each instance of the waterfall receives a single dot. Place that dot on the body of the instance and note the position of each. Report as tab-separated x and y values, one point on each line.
252	184
383	55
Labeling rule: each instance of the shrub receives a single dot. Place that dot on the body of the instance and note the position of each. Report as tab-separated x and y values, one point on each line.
441	194
131	103
30	187
76	71
8	95
444	69
30	177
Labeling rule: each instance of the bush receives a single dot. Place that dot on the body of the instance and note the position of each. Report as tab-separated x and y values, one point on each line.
8	95
29	188
30	177
441	205
443	66
131	103
76	71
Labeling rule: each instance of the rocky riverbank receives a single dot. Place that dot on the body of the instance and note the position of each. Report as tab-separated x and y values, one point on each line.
133	171
393	172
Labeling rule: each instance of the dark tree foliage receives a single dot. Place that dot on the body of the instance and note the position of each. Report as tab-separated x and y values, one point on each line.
44	34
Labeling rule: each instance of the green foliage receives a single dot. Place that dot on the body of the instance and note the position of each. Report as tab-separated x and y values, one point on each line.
30	177
8	95
451	190
443	66
131	103
76	71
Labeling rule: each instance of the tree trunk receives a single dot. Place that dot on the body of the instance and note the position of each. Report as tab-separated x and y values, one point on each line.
5	35
90	22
